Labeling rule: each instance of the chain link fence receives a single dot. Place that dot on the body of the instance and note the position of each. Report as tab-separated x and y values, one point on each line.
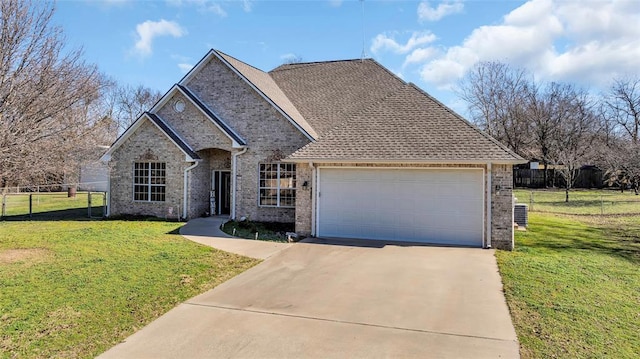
583	202
53	205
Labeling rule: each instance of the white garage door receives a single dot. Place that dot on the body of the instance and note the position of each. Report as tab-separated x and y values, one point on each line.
442	206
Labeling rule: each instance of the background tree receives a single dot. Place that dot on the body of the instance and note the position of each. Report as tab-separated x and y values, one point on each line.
43	88
496	98
576	131
131	102
621	113
623	102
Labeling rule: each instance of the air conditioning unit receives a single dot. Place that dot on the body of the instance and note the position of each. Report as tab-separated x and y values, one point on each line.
521	214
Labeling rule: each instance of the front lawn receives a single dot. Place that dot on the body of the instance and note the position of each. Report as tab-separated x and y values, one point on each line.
573	286
76	288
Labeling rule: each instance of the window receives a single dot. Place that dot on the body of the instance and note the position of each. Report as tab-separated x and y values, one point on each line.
278	184
149	180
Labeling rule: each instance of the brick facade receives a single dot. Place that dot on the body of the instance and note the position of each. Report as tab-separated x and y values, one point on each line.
269	135
502	207
148	145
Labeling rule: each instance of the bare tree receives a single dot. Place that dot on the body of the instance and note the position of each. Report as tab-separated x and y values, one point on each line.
623	102
621	114
43	87
496	97
131	102
622	160
292	59
573	137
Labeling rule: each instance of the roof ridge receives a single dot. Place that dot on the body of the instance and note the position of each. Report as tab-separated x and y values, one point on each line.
287	67
465	121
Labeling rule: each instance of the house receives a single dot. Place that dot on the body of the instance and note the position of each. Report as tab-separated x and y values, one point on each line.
342	148
94	177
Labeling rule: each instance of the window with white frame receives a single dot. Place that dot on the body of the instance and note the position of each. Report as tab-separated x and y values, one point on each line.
149	181
277	184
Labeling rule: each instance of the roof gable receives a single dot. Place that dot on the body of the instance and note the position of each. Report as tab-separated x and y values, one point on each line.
190	154
263	84
237	141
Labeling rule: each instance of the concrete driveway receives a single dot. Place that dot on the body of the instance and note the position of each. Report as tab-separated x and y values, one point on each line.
333	299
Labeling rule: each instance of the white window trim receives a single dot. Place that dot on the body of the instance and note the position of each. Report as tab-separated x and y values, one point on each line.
149	184
278	189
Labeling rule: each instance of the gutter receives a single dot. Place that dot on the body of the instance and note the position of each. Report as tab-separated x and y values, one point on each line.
185	188
234	180
403	161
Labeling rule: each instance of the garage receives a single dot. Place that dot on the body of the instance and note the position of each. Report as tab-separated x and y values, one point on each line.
440	206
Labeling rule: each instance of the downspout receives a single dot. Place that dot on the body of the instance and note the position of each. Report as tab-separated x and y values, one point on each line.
185	194
108	194
313	199
489	220
234	180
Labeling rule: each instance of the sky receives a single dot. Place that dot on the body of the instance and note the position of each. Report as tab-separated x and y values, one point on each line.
430	43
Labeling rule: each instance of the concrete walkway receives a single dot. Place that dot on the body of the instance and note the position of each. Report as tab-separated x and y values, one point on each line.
337	299
207	231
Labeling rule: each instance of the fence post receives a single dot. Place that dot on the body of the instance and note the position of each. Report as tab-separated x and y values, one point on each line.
4	205
104	205
89	204
531	201
30	205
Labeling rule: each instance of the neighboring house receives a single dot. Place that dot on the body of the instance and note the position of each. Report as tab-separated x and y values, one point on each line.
94	176
342	148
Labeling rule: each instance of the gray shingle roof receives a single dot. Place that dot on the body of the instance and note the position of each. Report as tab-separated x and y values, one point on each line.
326	93
365	113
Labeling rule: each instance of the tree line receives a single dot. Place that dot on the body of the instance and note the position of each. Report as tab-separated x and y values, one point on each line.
559	123
57	111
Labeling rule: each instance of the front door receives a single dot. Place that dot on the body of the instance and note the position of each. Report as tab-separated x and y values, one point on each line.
221	191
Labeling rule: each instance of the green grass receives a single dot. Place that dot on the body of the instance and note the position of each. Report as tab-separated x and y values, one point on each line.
52	205
76	288
573	286
267	231
595	202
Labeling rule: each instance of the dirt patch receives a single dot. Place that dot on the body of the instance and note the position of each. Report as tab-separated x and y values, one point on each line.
29	255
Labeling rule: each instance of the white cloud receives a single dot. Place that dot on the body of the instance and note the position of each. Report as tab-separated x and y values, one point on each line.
208	5
335	3
420	55
216	9
556	40
149	30
428	13
388	42
247	5
185	67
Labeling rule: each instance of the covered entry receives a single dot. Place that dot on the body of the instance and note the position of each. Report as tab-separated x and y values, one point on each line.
434	205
